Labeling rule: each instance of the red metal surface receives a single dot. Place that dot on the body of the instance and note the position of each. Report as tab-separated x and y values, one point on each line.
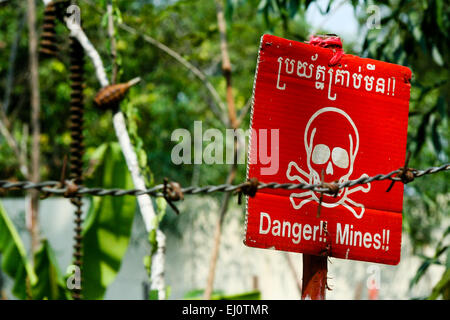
348	120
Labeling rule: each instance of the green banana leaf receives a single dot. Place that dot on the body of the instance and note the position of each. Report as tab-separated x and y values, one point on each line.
50	284
14	261
197	294
108	225
442	287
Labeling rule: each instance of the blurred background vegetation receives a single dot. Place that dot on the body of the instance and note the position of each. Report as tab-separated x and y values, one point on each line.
414	33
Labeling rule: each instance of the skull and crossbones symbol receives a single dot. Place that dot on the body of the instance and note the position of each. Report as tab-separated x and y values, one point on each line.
330	153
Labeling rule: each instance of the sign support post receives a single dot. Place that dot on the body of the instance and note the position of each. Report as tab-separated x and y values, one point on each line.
314	277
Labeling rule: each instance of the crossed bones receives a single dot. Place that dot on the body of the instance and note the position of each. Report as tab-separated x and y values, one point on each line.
342	157
303	177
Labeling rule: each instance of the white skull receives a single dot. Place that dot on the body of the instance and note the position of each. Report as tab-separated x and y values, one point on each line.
331	142
331	151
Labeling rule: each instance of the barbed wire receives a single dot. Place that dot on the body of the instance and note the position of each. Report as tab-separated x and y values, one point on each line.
173	191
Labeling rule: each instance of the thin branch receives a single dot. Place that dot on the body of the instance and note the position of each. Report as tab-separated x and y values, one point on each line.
321	25
226	63
218	235
35	123
244	111
78	33
218	107
23	149
226	68
112	39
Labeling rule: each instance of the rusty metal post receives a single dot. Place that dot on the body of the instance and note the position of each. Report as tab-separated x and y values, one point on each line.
77	148
315	270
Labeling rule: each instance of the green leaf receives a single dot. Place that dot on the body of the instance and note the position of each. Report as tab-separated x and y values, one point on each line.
440	15
437	57
161	206
108	226
104	22
219	295
251	295
193	294
420	272
421	132
153	294
442	107
198	294
293	6
442	287
51	284
14	261
148	263
229	9
435	137
447	261
168	292
153	241
327	10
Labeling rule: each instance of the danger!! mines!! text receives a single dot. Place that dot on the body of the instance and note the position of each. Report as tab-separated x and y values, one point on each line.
345	235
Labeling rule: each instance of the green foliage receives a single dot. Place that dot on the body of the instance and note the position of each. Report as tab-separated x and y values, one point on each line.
50	284
108	225
441	257
442	287
154	295
219	295
45	281
415	34
282	11
14	258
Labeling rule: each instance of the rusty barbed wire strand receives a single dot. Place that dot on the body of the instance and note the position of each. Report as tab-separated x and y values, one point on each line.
54	187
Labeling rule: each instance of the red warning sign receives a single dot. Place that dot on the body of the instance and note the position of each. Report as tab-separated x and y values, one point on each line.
340	122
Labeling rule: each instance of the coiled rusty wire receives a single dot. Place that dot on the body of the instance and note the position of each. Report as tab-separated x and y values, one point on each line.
77	147
48	47
53	11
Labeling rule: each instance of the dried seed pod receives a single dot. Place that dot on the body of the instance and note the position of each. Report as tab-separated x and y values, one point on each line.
110	96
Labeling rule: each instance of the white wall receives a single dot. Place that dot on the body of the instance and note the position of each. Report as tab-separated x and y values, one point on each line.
188	257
